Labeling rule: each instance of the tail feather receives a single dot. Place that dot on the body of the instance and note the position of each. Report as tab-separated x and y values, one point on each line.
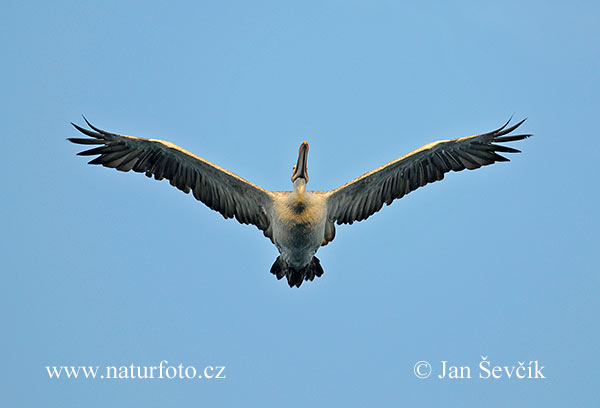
296	277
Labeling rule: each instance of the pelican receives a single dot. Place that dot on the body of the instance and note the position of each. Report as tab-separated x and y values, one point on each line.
297	222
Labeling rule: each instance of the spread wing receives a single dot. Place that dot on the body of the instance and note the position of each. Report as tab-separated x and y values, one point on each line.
219	189
365	195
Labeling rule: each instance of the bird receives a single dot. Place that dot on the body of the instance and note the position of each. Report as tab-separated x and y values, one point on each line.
300	221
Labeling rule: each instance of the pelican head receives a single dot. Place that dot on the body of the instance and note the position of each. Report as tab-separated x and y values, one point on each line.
300	169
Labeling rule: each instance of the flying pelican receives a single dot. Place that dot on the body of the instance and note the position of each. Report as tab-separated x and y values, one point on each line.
298	222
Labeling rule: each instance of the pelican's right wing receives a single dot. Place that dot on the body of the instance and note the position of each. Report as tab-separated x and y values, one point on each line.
365	195
220	189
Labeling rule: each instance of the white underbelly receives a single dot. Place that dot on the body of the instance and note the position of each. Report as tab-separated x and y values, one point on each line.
299	236
298	243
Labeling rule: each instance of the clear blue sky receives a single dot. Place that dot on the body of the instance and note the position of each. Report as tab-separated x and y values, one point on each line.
106	268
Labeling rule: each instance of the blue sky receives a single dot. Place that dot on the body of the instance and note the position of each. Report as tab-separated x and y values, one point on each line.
105	268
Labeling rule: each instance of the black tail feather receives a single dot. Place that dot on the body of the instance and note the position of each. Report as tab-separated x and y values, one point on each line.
296	277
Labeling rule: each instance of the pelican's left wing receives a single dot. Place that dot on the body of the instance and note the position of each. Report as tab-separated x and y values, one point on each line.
365	195
220	189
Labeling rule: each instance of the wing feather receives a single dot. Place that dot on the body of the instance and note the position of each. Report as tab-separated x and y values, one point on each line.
220	189
365	195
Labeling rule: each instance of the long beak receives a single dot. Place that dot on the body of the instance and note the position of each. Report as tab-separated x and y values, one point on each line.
301	170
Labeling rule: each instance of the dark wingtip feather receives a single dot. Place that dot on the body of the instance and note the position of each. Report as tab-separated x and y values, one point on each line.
76	126
92	126
78	140
97	160
509	119
510	129
511	138
503	126
505	149
87	132
92	152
